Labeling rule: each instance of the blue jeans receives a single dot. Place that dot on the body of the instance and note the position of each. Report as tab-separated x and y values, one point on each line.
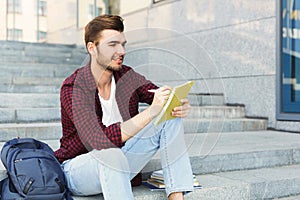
109	171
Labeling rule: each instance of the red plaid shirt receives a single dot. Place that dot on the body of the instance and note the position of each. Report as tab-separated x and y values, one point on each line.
81	112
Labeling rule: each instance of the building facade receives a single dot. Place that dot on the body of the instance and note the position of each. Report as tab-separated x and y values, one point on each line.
50	21
23	20
246	49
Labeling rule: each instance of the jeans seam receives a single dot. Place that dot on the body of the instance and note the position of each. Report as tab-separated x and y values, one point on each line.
107	190
167	168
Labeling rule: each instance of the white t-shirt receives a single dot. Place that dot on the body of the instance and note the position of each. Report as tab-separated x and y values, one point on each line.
110	110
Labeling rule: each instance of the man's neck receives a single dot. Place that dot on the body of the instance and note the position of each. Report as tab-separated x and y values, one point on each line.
103	79
101	75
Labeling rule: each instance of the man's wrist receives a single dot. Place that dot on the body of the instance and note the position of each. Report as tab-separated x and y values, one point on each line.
153	111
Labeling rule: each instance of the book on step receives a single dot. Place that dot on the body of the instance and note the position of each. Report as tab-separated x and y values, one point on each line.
177	93
156	181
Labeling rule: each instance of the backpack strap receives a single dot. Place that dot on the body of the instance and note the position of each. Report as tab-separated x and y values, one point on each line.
67	195
1	186
5	149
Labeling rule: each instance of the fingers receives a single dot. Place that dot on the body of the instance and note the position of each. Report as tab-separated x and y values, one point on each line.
183	110
162	94
165	90
160	97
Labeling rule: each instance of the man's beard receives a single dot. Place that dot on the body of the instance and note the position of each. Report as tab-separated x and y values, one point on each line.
108	67
112	69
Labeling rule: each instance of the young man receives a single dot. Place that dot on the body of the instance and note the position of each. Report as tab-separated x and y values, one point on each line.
106	141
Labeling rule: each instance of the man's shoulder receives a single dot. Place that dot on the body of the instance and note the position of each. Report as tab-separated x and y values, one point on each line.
125	69
71	79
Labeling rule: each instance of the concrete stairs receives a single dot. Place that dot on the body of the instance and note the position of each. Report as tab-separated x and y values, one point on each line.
233	156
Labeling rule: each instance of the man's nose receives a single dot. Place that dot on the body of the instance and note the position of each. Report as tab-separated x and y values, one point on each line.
121	49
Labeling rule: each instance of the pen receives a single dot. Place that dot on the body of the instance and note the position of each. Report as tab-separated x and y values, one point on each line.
152	90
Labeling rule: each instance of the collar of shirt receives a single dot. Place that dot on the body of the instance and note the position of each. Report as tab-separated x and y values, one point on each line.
89	78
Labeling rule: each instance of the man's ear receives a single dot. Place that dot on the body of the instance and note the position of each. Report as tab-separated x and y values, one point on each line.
91	47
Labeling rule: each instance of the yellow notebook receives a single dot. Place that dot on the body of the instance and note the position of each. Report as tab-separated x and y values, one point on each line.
174	100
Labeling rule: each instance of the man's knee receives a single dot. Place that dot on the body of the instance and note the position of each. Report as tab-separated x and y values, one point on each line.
113	158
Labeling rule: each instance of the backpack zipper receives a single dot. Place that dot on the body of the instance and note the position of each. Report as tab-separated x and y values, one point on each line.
21	159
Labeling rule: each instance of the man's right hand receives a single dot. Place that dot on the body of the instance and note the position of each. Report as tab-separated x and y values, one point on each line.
132	126
160	97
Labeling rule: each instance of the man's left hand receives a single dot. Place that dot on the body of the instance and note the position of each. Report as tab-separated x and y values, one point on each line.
183	110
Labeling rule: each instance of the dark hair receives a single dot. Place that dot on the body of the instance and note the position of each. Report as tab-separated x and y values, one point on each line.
93	28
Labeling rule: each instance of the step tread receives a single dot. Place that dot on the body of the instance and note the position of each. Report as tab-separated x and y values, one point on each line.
215	152
28	125
289	198
271	182
216	143
268	183
214	119
191	125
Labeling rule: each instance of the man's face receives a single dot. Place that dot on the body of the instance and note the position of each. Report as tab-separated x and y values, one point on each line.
110	50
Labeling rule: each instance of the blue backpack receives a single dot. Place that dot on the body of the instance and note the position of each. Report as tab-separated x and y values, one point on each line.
33	172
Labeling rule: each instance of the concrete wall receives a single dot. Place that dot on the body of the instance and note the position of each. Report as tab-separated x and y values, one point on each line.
133	5
226	46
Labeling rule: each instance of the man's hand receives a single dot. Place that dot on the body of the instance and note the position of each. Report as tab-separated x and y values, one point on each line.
160	97
132	126
183	110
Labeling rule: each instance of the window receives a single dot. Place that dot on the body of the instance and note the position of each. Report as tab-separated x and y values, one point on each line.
100	10
156	1
15	34
42	35
288	74
42	7
14	6
91	11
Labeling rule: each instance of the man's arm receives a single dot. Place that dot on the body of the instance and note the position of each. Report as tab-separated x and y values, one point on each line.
132	126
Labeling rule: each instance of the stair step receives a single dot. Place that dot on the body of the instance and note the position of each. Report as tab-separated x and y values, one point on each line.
204	126
198	99
32	80
214	188
224	161
201	112
27	53
28	100
11	115
43	59
36	69
268	183
224	125
41	53
265	183
12	88
32	66
289	198
15	45
220	152
217	112
52	100
40	131
50	113
33	72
